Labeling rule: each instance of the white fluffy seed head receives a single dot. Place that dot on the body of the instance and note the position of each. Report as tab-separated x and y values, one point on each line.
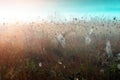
108	49
61	40
59	62
40	64
91	31
87	40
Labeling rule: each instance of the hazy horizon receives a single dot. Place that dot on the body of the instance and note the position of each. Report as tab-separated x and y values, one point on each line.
31	9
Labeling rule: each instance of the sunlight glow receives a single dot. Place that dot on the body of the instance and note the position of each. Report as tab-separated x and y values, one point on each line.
21	11
13	13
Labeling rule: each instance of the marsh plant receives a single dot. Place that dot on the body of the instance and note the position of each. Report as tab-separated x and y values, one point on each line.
34	51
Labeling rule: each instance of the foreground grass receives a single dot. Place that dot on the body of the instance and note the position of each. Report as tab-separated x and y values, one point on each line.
54	64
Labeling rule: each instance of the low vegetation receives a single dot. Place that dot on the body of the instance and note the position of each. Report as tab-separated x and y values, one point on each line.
33	52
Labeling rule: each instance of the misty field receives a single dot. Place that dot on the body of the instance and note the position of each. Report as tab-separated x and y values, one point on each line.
74	50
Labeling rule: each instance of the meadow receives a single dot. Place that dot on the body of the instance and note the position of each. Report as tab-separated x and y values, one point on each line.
74	50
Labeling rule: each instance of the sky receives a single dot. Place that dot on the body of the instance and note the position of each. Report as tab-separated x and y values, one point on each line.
21	9
91	5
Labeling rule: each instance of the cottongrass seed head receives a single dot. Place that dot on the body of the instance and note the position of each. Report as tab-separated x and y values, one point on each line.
61	40
108	49
87	40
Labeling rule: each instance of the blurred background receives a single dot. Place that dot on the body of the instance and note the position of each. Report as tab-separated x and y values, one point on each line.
32	9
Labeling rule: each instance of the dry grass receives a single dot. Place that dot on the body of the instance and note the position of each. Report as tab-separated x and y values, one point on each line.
24	46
